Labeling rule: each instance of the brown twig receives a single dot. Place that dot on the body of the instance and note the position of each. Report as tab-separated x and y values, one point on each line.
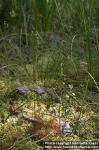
44	137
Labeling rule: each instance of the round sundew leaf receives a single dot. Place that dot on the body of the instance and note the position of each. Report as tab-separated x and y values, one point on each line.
39	90
23	89
66	129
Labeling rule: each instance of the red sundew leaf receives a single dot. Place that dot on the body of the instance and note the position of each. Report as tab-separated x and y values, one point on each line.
54	125
30	118
14	109
34	128
37	122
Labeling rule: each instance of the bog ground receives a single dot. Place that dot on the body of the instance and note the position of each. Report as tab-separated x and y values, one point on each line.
49	72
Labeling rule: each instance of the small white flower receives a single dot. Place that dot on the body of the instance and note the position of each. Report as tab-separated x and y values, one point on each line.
70	86
67	96
63	83
73	94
